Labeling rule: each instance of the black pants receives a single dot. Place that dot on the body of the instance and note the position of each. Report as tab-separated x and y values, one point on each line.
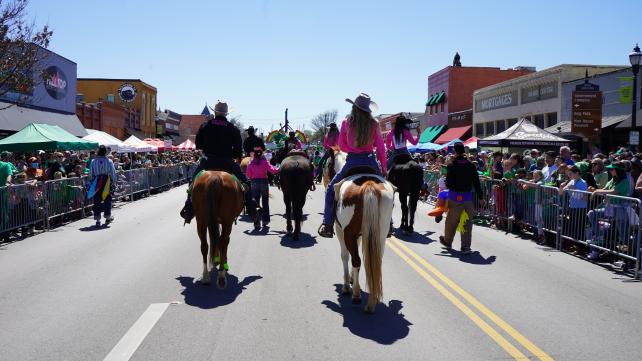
102	206
227	165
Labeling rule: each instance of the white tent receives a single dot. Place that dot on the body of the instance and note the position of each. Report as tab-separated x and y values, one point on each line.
140	145
108	141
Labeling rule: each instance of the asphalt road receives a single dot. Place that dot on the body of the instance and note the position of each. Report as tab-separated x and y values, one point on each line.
129	292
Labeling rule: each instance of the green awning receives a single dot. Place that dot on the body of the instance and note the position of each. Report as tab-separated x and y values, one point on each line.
440	98
431	133
44	137
430	100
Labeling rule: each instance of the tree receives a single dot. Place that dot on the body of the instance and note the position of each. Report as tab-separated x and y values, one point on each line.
321	121
235	120
20	43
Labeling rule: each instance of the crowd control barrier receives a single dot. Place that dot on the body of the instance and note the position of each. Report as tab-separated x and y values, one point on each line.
25	206
607	224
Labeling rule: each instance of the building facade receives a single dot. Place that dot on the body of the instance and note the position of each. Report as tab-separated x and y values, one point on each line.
450	90
167	124
107	117
49	97
132	94
536	97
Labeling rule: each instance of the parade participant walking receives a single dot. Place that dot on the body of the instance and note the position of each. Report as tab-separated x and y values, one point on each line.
396	140
220	142
358	136
257	172
252	141
461	177
102	175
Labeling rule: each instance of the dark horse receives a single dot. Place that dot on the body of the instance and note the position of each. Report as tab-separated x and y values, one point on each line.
296	177
218	200
407	176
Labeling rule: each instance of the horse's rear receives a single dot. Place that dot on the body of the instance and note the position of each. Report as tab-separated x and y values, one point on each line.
333	166
364	208
218	200
407	176
296	177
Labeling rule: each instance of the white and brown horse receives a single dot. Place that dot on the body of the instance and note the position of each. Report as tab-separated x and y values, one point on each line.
332	166
364	208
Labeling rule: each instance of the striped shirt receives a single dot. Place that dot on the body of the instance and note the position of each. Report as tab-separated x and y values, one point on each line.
102	165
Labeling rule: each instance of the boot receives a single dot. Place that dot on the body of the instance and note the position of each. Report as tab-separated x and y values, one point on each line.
187	213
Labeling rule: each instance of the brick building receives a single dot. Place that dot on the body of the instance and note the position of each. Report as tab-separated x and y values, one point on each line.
108	117
450	97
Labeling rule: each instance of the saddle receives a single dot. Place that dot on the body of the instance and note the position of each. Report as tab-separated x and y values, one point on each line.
244	188
360	169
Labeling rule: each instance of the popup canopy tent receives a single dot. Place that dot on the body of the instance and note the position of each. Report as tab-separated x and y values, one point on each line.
108	141
471	142
424	147
186	145
35	137
139	145
159	144
523	134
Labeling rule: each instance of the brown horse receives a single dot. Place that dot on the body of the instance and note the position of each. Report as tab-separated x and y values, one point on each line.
296	178
364	208
218	200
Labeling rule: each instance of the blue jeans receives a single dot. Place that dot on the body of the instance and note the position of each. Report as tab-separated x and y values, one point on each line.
396	152
353	160
260	190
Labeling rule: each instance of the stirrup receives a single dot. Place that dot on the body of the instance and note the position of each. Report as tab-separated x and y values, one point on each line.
324	232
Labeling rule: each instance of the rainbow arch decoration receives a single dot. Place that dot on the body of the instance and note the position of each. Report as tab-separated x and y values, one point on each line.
278	136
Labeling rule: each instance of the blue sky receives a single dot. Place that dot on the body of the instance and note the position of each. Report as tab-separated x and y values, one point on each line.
265	55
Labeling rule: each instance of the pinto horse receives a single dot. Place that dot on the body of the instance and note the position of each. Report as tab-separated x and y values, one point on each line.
333	165
296	178
364	208
407	176
218	200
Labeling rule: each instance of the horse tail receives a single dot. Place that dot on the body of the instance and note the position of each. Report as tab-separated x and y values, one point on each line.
371	238
213	196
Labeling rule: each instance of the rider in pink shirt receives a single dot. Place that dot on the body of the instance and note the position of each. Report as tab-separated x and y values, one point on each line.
396	140
257	171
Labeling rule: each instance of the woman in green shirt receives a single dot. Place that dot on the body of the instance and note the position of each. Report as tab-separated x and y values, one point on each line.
599	173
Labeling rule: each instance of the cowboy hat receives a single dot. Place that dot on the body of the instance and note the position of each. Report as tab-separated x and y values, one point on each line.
250	129
220	107
363	102
332	125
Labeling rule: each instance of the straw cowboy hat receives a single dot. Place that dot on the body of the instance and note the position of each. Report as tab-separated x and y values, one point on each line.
363	102
220	108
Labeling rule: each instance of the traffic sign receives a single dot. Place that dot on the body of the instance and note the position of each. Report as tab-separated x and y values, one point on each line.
587	112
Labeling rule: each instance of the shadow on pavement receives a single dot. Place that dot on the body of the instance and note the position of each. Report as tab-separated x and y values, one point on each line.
415	237
386	326
207	297
305	241
93	228
473	258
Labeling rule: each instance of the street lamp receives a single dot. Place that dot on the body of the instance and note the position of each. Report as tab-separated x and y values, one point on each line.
635	58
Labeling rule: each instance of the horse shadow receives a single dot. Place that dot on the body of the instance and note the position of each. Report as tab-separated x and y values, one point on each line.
93	228
305	241
386	326
208	297
415	237
473	258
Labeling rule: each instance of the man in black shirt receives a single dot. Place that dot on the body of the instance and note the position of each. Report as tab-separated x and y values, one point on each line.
251	142
461	178
220	142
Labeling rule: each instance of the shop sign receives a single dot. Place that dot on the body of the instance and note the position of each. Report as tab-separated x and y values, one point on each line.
127	93
626	89
496	102
55	82
587	113
539	92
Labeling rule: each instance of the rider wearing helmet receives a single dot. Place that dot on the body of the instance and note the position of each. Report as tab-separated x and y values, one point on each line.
220	142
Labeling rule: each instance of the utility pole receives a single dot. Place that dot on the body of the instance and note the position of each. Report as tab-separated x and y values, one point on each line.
287	123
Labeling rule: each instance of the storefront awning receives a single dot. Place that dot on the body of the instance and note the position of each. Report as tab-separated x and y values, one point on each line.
14	117
430	100
431	133
436	99
453	133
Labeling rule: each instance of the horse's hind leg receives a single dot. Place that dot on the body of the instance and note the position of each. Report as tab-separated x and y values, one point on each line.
287	198
414	198
344	259
201	228
224	241
403	197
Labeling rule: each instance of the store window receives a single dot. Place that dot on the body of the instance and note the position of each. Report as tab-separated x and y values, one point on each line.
539	120
500	126
479	130
80	98
110	98
551	119
512	122
490	128
441	107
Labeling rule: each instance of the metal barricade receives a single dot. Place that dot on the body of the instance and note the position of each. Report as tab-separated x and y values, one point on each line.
549	202
431	179
21	205
64	196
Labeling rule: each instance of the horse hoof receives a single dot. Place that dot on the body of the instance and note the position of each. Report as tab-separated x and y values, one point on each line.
205	281
369	310
295	236
356	301
221	283
346	290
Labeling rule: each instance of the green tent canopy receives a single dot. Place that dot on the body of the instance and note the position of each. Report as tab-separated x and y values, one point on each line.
44	137
431	133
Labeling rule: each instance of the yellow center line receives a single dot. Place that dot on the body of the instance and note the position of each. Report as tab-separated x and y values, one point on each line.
536	351
499	339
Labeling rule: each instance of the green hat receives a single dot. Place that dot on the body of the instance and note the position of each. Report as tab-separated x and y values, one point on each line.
615	166
583	166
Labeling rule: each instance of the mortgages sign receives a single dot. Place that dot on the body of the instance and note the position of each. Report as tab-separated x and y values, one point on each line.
496	102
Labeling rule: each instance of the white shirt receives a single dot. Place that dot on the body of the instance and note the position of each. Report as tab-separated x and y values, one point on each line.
548	172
